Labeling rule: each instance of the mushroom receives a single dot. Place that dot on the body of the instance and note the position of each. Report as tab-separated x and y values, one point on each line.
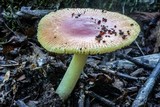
84	32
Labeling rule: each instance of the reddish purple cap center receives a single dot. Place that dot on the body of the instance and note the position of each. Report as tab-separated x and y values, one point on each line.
82	26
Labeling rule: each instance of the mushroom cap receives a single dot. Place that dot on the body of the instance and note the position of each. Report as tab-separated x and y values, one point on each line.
86	31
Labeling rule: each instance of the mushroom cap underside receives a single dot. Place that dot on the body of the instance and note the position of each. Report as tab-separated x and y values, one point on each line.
86	31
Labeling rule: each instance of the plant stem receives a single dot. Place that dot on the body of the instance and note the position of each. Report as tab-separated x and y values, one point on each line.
71	76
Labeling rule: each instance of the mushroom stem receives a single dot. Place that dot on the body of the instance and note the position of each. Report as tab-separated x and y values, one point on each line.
71	76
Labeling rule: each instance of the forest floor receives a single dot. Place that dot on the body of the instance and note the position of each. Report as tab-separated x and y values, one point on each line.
29	74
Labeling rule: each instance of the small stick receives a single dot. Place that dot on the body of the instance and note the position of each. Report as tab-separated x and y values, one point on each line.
142	96
9	28
121	64
9	65
106	70
25	11
102	99
119	74
82	96
139	48
138	63
87	104
137	72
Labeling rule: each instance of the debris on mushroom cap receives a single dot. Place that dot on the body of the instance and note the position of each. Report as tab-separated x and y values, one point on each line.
86	31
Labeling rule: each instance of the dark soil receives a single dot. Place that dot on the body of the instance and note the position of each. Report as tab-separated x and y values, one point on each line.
29	74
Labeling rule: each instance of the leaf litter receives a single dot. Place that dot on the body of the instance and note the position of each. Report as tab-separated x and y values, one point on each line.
29	75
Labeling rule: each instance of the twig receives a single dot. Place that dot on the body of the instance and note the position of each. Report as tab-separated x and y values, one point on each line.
87	104
132	89
138	63
139	47
119	74
106	70
123	7
9	65
9	28
26	11
82	96
102	99
20	103
120	64
147	88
